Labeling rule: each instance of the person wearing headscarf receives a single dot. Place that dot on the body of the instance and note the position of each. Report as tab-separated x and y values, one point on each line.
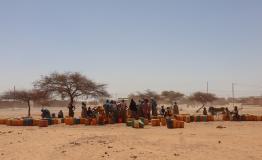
84	111
60	114
146	109
133	108
154	106
123	110
175	109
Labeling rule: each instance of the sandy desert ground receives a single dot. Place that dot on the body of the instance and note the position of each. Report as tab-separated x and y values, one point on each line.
197	141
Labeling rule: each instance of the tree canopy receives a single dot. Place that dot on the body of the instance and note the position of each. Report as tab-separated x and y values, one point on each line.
171	96
203	98
26	96
145	95
70	85
165	96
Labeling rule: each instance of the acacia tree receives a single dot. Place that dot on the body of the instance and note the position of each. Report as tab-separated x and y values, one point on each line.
26	96
145	95
171	96
71	85
203	98
149	94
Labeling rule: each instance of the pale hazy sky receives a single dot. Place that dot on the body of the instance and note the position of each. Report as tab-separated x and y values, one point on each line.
135	45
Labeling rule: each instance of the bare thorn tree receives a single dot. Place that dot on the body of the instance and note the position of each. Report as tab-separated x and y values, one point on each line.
203	98
71	85
26	96
171	96
145	95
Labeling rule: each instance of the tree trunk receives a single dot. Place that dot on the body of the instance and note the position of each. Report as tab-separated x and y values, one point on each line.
71	107
29	108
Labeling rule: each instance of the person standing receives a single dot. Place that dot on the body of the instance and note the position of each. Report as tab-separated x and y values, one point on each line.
163	111
107	108
90	113
168	112
123	110
140	112
114	112
133	108
146	109
175	109
236	116
154	106
84	111
205	111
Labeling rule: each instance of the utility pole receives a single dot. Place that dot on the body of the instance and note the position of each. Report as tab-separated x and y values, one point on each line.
14	94
207	87
233	94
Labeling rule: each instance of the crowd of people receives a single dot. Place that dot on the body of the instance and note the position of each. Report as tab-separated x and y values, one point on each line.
45	113
147	108
119	111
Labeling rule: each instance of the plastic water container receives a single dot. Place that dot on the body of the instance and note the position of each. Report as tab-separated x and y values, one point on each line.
82	120
169	123
204	118
76	120
141	124
163	121
192	118
197	118
2	121
36	122
101	122
28	122
55	121
138	124
142	119
155	122
69	121
129	123
43	123
49	120
93	122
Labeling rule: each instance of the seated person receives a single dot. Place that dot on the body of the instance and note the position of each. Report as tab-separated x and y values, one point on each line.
60	114
45	113
53	115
